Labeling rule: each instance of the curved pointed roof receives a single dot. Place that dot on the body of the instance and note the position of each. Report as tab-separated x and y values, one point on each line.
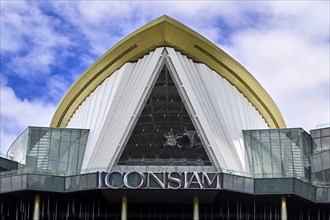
165	31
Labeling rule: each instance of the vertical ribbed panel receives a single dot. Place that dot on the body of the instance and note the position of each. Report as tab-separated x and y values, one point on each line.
92	112
221	109
118	120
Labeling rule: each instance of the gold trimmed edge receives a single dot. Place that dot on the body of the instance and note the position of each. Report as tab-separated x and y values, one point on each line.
165	31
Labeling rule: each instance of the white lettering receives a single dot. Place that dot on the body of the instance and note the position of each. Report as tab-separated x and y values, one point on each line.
163	180
110	182
198	180
153	176
127	183
173	180
205	176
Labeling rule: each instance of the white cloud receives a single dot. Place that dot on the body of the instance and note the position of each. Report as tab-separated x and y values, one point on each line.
310	18
30	39
101	23
17	114
284	44
290	58
281	56
10	40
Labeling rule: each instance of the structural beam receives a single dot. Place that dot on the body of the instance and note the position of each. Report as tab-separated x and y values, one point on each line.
196	208
284	214
36	210
124	208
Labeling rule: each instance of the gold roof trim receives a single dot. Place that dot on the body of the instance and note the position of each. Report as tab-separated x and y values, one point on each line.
165	31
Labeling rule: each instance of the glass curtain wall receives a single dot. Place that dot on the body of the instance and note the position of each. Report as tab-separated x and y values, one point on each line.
279	153
320	159
50	150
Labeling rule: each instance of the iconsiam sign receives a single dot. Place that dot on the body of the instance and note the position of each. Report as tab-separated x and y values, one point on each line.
159	180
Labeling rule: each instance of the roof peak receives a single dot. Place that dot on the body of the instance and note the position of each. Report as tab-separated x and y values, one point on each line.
166	31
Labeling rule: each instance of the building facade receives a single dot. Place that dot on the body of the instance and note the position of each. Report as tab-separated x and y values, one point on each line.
166	125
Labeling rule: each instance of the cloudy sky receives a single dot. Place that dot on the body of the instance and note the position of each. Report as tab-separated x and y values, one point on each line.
46	45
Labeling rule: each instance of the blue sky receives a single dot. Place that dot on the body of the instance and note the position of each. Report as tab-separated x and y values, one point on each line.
46	45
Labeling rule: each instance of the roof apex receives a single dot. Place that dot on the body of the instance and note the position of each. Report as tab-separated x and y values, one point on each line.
165	31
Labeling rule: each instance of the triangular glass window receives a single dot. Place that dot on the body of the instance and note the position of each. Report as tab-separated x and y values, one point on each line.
164	133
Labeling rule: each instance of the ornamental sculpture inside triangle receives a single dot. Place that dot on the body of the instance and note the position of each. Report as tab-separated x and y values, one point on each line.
164	134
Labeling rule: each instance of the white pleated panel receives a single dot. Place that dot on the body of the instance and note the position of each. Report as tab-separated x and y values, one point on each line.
92	112
128	100
221	109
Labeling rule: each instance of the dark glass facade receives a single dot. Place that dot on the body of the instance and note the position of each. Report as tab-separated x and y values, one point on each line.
7	164
164	133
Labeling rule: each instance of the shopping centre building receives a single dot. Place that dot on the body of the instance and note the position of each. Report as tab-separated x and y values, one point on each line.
166	125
